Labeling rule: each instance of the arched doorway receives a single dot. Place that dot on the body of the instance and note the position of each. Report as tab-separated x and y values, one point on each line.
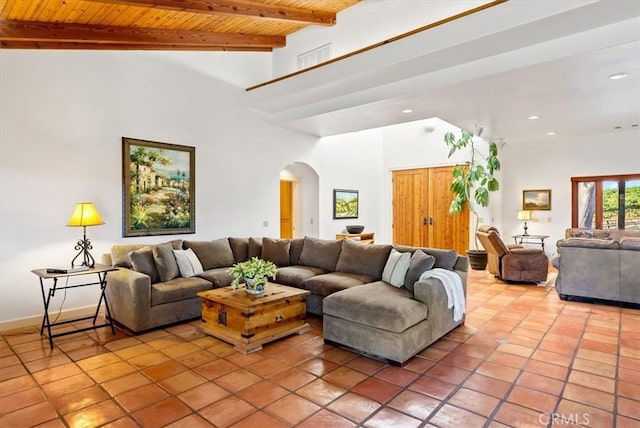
299	192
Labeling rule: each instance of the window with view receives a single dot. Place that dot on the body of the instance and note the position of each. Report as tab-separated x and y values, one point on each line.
606	202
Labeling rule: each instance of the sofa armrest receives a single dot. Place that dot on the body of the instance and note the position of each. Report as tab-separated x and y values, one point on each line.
431	292
106	259
129	294
555	261
462	264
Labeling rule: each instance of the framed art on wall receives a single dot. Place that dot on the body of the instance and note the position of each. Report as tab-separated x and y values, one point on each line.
158	187
534	200
345	203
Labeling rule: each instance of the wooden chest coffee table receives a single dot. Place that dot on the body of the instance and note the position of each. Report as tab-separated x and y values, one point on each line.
250	321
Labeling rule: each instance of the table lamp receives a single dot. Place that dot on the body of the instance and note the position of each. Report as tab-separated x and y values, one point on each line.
524	215
85	214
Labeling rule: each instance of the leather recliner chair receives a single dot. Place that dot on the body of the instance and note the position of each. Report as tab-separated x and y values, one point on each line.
512	262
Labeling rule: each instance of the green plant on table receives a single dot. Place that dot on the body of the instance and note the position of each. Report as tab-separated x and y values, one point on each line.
254	268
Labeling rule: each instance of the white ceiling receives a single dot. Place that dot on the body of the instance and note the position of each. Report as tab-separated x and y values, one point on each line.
494	68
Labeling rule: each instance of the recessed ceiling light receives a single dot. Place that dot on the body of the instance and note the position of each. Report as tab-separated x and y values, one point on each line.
617	76
551	133
407	110
534	117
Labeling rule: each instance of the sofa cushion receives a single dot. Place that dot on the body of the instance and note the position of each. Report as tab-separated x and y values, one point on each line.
322	253
600	234
329	283
120	254
188	263
255	248
142	261
610	244
240	249
445	259
295	250
363	259
630	244
295	276
420	262
378	305
177	289
276	251
166	261
396	268
212	254
219	277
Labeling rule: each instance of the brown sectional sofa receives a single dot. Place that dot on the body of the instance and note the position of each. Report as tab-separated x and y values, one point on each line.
599	265
148	291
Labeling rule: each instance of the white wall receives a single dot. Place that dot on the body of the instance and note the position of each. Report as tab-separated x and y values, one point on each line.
62	117
354	25
350	161
550	164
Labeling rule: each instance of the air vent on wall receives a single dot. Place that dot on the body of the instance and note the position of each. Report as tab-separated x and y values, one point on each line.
314	56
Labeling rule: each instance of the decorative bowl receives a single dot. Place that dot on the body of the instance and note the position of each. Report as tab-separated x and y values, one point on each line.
355	228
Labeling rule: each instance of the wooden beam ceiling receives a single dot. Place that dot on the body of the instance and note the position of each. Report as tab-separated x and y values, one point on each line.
207	25
237	8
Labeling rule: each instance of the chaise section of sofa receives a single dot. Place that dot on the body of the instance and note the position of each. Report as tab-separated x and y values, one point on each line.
395	322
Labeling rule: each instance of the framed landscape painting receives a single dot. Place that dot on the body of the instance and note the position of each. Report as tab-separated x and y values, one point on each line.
158	186
534	200
345	203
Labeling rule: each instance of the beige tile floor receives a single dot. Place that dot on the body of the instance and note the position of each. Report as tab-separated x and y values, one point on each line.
523	358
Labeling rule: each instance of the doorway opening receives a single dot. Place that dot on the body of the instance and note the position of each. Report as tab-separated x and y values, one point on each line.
299	201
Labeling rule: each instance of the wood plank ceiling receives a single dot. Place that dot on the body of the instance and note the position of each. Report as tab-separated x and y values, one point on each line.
201	25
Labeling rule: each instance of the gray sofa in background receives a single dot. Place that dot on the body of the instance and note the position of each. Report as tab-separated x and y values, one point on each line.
599	266
147	290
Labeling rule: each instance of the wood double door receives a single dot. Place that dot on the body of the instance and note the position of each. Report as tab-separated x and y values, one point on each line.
421	200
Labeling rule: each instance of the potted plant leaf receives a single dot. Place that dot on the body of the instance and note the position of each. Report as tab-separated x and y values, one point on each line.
254	273
471	184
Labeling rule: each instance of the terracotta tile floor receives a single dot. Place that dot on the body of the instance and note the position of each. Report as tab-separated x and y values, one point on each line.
523	358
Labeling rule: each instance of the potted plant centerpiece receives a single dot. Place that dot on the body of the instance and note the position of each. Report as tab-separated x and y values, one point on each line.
254	273
471	184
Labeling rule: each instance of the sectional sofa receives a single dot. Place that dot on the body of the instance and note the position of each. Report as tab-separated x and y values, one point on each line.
148	291
599	266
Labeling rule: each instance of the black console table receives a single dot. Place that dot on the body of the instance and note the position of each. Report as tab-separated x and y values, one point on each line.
530	239
99	270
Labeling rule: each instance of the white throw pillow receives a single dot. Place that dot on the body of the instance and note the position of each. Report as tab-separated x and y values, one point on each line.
396	268
188	263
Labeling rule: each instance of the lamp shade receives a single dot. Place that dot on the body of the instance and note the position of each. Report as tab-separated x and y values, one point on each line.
524	215
85	214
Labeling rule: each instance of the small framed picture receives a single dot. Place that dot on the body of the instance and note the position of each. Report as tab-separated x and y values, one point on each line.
536	200
345	203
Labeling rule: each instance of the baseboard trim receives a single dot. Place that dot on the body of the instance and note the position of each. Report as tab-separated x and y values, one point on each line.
36	321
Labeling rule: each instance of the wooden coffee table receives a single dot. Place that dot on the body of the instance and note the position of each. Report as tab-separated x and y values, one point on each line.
249	321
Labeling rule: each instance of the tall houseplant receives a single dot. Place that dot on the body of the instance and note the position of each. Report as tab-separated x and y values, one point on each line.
471	184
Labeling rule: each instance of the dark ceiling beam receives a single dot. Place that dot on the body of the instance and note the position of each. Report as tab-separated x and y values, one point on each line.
239	8
12	44
138	38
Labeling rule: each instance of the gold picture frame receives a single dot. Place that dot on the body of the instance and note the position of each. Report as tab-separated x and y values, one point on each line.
536	200
158	188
